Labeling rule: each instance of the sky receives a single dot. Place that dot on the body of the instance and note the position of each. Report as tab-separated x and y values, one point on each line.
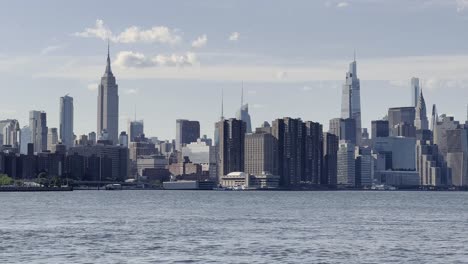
171	59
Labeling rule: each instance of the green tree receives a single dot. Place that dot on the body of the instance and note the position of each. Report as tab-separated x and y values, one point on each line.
5	180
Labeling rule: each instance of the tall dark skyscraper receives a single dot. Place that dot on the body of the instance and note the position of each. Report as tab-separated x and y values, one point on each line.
290	135
231	145
108	104
379	128
415	91
135	129
66	120
186	132
39	130
330	159
344	129
351	99
313	152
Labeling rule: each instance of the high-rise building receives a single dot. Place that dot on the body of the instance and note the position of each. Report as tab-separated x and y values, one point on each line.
52	138
265	128
440	132
401	121
379	128
25	140
108	104
434	118
243	114
186	132
290	135
344	129
92	138
330	159
202	153
457	155
313	152
135	129
260	154
420	121
346	168
66	120
351	99
415	91
12	134
431	166
38	126
363	167
231	134
123	139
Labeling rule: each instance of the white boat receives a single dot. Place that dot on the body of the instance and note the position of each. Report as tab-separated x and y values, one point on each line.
113	187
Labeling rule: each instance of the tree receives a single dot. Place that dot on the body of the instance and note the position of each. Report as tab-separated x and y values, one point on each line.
5	180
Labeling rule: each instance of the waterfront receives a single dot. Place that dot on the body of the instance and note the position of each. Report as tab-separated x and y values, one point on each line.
234	227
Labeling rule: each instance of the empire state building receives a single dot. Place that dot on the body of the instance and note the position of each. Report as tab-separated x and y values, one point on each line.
108	104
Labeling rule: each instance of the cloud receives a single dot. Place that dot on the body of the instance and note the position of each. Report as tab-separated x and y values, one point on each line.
98	31
281	75
234	36
200	41
92	86
342	4
131	91
133	34
130	59
462	5
50	49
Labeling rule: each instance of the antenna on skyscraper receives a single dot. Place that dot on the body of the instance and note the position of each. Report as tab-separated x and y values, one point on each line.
222	103
354	54
242	94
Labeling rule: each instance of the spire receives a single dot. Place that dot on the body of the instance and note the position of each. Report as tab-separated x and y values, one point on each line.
354	55
108	66
222	103
242	94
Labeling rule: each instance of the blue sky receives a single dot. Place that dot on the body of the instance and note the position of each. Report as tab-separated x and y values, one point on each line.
171	58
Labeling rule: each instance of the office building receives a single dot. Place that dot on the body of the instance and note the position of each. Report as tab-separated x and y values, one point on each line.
313	152
346	168
364	166
108	105
330	159
52	138
431	166
231	146
201	153
457	155
351	100
186	132
66	121
379	128
11	134
401	121
123	139
344	129
399	152
421	122
260	154
135	129
38	126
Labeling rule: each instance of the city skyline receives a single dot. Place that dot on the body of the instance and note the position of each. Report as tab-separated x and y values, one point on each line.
313	83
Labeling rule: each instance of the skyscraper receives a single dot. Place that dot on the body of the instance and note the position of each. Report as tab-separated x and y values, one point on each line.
434	118
401	121
38	126
330	159
108	104
12	134
243	114
135	129
351	99
186	132
52	138
231	146
415	91
344	129
346	168
66	120
379	128
420	121
260	153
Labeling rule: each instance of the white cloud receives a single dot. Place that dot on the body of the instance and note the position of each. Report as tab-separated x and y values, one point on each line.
50	49
98	31
280	75
200	42
131	91
234	36
133	34
92	87
342	4
462	5
130	59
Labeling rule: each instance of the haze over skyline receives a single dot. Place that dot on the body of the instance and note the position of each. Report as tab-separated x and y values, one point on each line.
172	61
